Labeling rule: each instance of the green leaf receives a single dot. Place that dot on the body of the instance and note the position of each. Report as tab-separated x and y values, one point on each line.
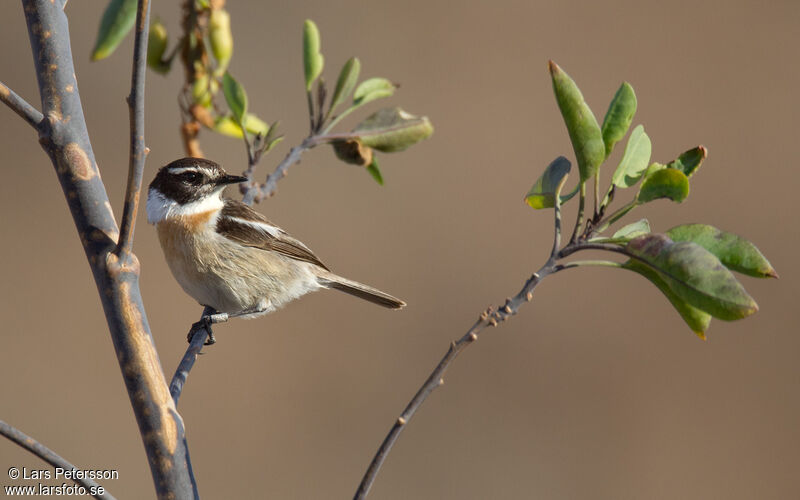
626	233
256	125
697	320
392	129
235	96
584	132
733	251
271	139
634	161
695	275
543	192
689	161
374	171
117	21
227	125
371	89
346	82
619	116
220	39
633	230
661	182
312	58
157	42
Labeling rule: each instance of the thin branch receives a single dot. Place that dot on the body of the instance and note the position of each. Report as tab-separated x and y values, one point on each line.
557	215
255	192
311	124
336	119
20	106
609	247
596	195
186	364
138	151
614	217
52	458
490	317
579	218
588	263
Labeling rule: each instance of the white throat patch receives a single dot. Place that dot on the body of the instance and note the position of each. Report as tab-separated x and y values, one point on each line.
160	208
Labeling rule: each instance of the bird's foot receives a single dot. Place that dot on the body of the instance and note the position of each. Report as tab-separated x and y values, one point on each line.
205	324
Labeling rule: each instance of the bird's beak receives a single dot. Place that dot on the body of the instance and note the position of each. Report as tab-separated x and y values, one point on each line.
230	179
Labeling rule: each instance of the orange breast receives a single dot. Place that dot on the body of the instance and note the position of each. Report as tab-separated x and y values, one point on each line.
180	230
181	240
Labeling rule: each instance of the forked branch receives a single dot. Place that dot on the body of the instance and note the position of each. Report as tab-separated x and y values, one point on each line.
64	137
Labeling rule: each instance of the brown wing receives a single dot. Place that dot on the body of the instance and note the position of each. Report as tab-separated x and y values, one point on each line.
242	224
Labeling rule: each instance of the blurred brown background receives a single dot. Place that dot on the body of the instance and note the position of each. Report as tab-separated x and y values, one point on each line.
596	390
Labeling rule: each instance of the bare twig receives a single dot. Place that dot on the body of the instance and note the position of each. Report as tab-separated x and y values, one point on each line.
603	224
253	192
20	106
490	317
52	458
138	151
557	217
579	218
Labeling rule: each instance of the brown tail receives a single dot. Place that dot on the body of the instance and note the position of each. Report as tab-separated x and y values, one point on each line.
361	291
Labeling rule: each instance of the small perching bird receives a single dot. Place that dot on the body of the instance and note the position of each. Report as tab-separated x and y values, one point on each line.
226	255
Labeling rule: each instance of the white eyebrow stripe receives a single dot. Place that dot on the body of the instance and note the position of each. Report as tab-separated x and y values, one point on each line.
193	168
273	231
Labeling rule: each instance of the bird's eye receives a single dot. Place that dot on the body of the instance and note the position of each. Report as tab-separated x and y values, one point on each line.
191	176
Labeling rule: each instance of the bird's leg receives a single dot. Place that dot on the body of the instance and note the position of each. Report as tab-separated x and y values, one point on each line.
260	308
217	317
205	323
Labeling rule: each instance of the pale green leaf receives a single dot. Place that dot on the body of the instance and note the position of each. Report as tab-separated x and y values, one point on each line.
372	89
313	61
619	116
584	132
634	160
392	129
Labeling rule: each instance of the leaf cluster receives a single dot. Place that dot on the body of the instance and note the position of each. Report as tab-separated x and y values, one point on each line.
210	45
387	130
690	264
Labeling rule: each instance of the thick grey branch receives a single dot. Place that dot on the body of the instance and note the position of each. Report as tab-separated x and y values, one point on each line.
20	106
65	139
49	456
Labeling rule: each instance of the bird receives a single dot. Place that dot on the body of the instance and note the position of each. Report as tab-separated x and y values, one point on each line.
229	257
